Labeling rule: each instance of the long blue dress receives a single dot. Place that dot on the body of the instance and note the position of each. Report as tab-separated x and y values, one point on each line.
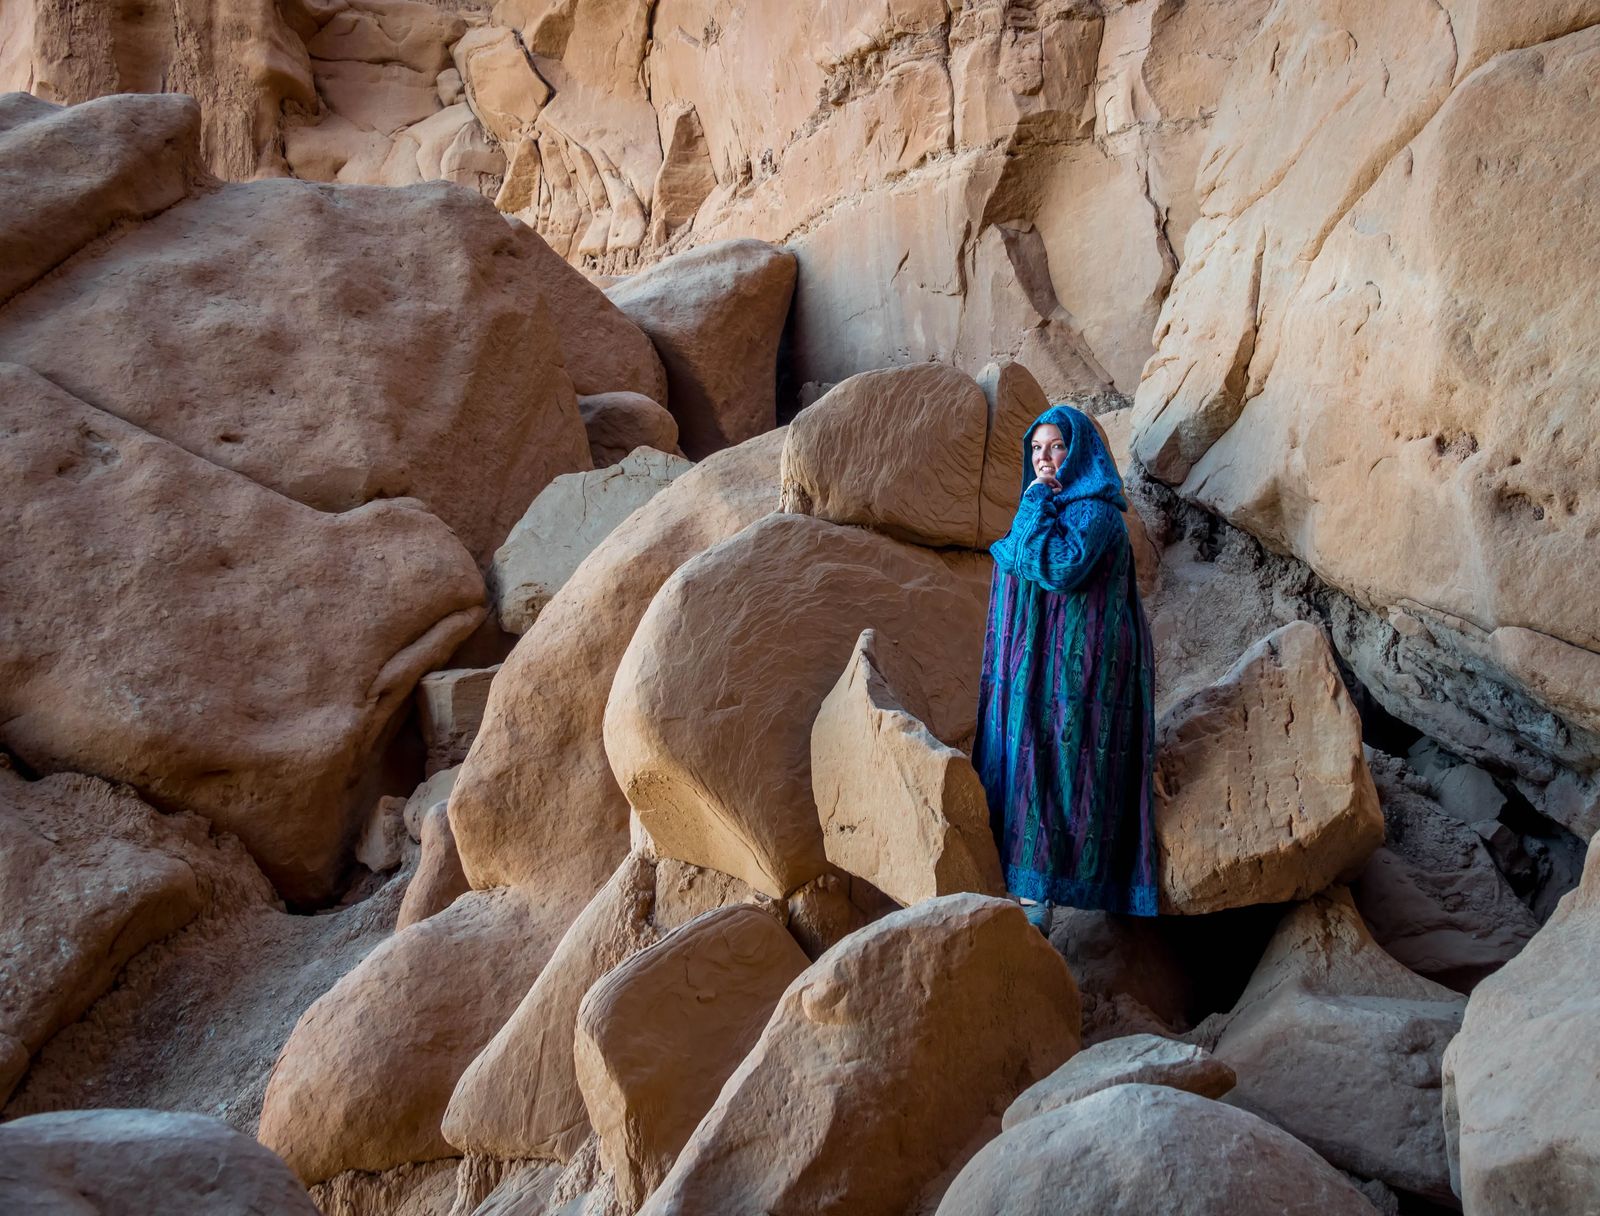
1066	734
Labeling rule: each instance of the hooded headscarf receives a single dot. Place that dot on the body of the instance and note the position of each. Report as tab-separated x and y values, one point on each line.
1087	470
1056	538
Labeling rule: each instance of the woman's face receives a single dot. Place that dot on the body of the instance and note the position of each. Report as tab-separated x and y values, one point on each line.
1049	450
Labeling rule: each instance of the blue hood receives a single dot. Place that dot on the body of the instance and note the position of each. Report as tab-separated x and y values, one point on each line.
1088	470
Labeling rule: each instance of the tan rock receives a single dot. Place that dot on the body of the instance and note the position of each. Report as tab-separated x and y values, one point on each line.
658	1036
780	607
365	1078
519	1098
450	707
1263	792
503	87
85	884
1136	1059
915	452
619	422
239	59
208	688
130	1162
1131	974
1519	1110
386	404
408	32
898	808
535	802
384	98
1340	1046
715	315
881	1064
686	177
1342	262
439	878
434	790
561	527
1152	1151
447	146
70	175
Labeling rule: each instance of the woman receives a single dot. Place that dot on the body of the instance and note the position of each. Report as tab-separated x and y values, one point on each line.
1065	721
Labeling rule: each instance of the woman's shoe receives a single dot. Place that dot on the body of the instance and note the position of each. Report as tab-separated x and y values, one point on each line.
1038	916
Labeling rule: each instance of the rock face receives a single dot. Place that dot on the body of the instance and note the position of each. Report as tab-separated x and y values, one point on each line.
1134	1150
1340	1045
1519	1109
439	879
715	315
364	1080
207	687
619	422
1135	1059
1263	792
898	808
84	886
658	1036
1340	366
133	1162
572	515
880	1065
751	634
535	802
920	453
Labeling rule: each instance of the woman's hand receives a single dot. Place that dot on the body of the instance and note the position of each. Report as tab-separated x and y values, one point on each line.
1049	482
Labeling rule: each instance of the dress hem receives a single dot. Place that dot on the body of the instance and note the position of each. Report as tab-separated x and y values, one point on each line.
1076	893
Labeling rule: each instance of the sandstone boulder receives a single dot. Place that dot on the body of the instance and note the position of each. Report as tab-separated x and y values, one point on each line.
1263	791
208	687
1136	1059
880	1065
1340	1046
751	635
619	422
450	708
136	1162
438	879
658	1036
503	88
70	175
364	1080
920	453
1519	1079
85	884
535	802
296	334
572	515
1131	976
519	1098
715	315
1148	1150
898	808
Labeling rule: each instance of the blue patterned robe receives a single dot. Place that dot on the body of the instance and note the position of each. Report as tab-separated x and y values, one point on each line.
1066	735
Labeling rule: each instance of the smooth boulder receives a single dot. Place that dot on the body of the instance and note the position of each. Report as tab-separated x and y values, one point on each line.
715	314
562	526
898	808
1135	1059
751	636
227	674
1148	1150
140	1162
881	1064
1263	793
658	1036
619	422
1519	1079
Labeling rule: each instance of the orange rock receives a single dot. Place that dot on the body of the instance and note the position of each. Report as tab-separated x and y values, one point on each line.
881	1065
439	878
209	688
1263	793
364	1080
658	1036
715	315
